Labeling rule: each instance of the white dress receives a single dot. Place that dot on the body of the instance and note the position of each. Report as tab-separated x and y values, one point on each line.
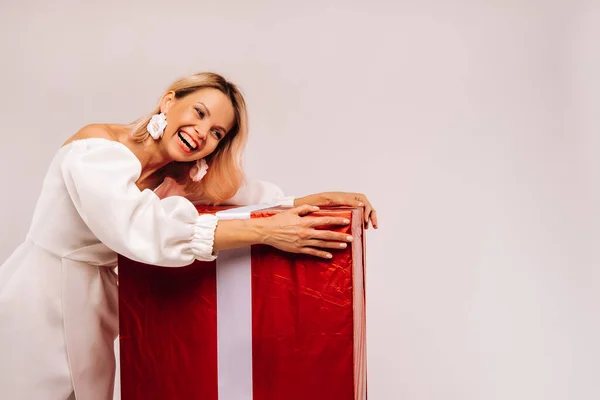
58	290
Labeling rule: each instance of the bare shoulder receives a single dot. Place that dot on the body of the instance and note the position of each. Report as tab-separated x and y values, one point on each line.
101	131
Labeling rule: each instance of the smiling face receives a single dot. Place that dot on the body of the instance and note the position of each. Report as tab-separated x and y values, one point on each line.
196	123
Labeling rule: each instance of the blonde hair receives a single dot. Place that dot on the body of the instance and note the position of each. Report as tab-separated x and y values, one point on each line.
225	175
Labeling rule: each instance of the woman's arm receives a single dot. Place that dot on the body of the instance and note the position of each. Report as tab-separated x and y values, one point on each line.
342	199
292	231
100	177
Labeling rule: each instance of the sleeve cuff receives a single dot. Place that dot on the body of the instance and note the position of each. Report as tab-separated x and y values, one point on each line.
204	237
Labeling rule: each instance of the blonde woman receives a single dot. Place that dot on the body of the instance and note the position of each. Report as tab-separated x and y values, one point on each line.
130	190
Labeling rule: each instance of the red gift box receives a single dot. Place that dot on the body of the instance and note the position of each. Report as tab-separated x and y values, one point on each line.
257	323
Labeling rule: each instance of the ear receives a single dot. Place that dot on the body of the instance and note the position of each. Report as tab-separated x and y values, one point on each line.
167	101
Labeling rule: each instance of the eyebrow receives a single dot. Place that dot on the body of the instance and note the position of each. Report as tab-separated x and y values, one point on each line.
208	113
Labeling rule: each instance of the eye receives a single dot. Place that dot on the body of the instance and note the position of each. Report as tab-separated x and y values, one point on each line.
201	113
217	134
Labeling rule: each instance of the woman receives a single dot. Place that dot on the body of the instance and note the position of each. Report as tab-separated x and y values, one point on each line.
130	190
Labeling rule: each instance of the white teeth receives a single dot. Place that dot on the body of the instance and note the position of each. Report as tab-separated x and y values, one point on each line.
187	140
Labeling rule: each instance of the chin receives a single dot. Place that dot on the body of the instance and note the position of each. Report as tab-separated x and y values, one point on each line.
177	155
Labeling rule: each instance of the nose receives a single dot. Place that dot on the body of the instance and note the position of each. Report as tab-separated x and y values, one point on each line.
201	132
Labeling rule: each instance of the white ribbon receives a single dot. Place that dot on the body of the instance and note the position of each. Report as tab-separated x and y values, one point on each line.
234	314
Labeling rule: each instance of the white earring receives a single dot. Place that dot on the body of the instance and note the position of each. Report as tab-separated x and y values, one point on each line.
199	170
156	126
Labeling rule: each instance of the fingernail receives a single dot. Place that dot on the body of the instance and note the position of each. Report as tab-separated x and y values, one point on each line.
328	256
361	204
343	245
349	238
346	221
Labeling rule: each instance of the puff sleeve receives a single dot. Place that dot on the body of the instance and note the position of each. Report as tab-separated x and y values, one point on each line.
100	178
260	192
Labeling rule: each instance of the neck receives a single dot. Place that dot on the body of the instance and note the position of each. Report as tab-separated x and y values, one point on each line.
151	154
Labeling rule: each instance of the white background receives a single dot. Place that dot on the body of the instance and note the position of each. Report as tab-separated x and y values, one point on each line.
472	126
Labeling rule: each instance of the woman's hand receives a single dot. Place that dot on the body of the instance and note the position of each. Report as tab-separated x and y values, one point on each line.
342	199
293	231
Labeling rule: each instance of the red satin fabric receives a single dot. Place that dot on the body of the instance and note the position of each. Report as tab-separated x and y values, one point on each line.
168	331
302	323
303	314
